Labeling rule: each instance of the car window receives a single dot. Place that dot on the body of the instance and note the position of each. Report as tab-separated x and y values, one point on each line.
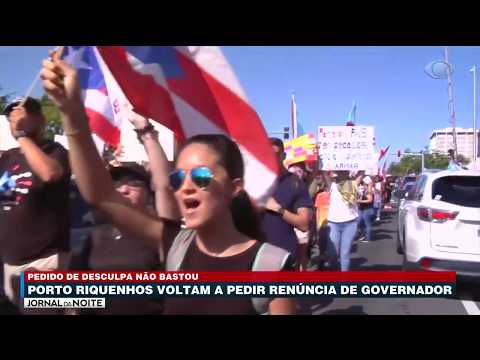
457	190
416	192
411	192
420	188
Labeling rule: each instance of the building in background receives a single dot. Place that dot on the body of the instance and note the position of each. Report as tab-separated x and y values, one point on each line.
441	140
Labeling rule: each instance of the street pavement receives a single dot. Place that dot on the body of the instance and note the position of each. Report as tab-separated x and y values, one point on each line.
381	255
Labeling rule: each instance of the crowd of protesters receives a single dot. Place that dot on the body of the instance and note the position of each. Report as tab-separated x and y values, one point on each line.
195	216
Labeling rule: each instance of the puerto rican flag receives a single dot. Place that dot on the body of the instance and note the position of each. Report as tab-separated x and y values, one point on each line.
193	90
103	111
352	115
384	169
383	153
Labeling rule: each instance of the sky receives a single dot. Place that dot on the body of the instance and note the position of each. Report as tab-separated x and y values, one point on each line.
389	84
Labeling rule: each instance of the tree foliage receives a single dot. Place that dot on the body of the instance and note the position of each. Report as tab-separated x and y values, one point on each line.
50	111
3	102
53	117
413	163
4	99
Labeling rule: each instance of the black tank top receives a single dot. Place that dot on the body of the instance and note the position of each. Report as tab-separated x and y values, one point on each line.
365	206
196	260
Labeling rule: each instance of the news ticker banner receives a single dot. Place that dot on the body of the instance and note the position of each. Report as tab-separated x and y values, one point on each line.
94	289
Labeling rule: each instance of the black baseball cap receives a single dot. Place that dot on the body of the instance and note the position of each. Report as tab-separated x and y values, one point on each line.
31	105
133	171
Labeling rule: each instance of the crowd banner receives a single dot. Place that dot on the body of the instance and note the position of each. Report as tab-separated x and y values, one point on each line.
347	148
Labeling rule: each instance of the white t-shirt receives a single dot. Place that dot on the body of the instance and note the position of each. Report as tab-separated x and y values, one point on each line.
339	211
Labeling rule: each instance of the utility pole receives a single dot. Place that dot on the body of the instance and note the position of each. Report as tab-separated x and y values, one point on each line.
475	136
423	161
451	107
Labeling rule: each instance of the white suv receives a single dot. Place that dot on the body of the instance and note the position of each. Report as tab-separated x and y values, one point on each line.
439	223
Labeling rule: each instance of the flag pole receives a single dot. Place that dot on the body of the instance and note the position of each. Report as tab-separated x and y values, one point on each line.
451	106
30	89
58	50
294	117
351	117
475	136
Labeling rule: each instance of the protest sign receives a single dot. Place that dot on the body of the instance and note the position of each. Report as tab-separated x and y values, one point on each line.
347	148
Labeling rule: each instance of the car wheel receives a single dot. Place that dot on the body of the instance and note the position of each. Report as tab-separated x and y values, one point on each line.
405	264
399	244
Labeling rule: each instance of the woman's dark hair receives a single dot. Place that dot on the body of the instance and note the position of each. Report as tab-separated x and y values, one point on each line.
244	215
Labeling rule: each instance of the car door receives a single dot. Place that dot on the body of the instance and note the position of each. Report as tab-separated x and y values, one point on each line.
455	214
415	230
401	217
404	204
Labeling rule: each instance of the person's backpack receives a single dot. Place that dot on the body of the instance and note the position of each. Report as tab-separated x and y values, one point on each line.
269	258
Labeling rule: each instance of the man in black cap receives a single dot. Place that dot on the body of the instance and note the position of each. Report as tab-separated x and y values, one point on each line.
107	249
34	181
288	208
111	250
133	182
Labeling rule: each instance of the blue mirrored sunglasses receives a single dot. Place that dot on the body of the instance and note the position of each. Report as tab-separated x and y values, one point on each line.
201	177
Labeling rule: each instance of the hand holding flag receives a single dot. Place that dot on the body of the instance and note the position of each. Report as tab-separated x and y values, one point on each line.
138	121
61	83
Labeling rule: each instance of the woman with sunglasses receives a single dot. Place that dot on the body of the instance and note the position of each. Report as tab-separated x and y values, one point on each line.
207	186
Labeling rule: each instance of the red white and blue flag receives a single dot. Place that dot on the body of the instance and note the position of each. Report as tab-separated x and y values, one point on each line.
352	115
384	169
383	153
191	90
102	113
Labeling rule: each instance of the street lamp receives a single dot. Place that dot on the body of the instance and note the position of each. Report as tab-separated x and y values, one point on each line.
443	70
437	69
285	133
